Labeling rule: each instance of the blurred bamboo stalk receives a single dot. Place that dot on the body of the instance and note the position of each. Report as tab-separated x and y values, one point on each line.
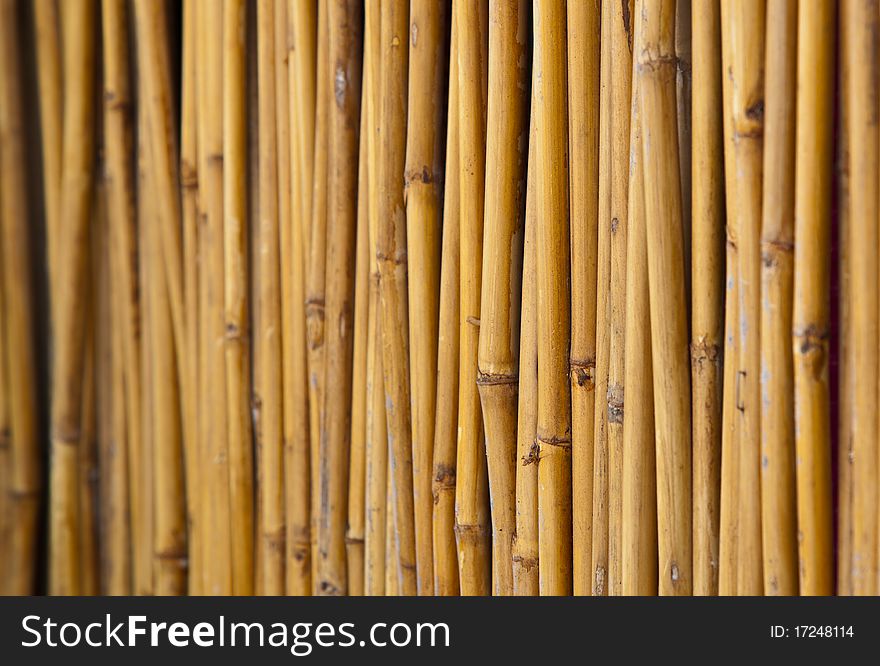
24	481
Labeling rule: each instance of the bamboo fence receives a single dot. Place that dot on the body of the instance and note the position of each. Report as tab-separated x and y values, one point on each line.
479	297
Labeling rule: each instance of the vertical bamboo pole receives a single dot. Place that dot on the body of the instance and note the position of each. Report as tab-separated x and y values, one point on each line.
620	101
596	575
392	260
861	19
778	512
354	531
845	342
554	301
140	461
17	319
342	187
446	415
301	69
214	442
88	458
669	339
125	361
638	554
377	437
267	347
425	110
316	275
51	91
747	27
189	185
6	492
684	96
815	127
526	572
498	356
235	272
471	500
707	277
584	27
76	201
729	495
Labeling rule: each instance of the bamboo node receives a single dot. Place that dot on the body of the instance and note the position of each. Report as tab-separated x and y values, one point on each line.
812	342
275	540
422	175
473	321
398	258
526	563
556	441
583	373
615	403
492	379
68	436
771	249
703	351
532	455
468	534
5	438
112	103
329	589
189	176
234	334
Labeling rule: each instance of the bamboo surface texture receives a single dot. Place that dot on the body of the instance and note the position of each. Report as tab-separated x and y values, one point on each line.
471	297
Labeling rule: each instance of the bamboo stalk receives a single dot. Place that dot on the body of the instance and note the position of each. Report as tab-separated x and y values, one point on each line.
236	317
189	185
747	50
392	552
19	364
638	555
684	96
597	573
425	109
446	582
553	434
620	100
316	275
213	431
267	347
584	58
526	572
729	494
51	91
814	146
345	46
707	277
125	310
498	356
471	491
154	65
141	461
845	342
377	437
76	201
778	508
392	260
6	491
354	531
301	59
88	455
669	339
861	22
